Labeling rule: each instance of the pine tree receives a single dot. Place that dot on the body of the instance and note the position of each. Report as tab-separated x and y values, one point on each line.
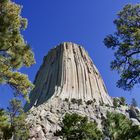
122	101
118	127
76	127
17	117
5	131
12	122
126	45
14	50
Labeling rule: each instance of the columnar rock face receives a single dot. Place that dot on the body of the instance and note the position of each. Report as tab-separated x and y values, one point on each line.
68	72
69	82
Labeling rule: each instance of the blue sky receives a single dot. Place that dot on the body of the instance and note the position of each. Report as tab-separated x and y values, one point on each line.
85	22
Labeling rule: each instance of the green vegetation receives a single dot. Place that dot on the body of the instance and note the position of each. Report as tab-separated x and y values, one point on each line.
79	101
76	127
73	100
14	51
89	102
122	101
118	127
12	122
14	54
66	100
107	105
5	131
116	102
126	43
17	117
76	101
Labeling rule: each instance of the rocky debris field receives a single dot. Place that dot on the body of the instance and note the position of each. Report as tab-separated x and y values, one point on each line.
46	119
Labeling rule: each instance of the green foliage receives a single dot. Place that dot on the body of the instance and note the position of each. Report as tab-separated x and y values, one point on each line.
122	101
134	102
126	43
107	105
74	101
101	103
89	102
5	132
66	99
3	119
12	122
116	102
79	101
119	101
14	50
17	116
76	127
118	127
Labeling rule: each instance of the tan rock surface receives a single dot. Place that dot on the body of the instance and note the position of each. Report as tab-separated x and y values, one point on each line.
68	72
69	82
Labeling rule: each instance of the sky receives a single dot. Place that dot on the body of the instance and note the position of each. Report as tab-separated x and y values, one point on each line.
85	22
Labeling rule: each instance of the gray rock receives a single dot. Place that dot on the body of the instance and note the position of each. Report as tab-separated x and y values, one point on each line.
68	73
135	121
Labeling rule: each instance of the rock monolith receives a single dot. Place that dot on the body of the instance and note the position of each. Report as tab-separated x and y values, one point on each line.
68	72
69	82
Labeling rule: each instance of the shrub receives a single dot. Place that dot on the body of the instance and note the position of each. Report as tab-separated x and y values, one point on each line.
118	127
89	102
94	100
79	101
76	127
115	102
123	101
73	100
107	105
66	100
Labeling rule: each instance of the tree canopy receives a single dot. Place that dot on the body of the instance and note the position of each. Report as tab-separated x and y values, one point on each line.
12	122
126	43
118	127
15	52
17	122
76	127
5	132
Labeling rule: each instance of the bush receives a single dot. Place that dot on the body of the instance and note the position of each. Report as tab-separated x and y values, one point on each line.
123	101
89	102
118	127
5	132
116	102
101	103
73	100
76	127
79	101
66	100
107	105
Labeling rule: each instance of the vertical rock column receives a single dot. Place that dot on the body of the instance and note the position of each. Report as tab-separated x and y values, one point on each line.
68	72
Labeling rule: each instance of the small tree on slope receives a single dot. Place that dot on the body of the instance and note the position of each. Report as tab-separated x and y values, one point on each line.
76	127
